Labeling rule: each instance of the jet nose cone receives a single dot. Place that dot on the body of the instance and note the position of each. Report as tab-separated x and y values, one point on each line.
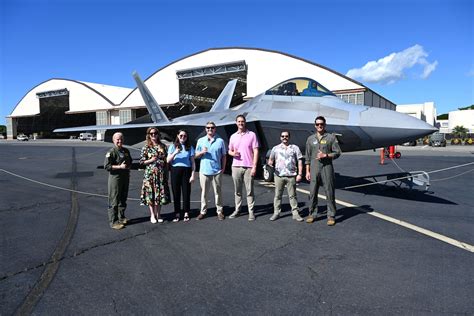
393	128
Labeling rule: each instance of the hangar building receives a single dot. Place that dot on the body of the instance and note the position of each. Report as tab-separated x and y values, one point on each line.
188	85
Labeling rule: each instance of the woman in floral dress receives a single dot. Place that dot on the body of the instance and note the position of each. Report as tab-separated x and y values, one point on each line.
155	189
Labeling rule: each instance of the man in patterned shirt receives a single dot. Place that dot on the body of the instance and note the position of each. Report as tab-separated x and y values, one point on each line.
287	161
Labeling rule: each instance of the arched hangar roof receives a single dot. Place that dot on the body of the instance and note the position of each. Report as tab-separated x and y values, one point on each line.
83	96
266	68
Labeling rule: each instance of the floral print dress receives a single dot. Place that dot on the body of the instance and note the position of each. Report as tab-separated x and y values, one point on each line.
155	189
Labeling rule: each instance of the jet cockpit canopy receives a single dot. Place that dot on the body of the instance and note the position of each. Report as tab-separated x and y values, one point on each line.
300	87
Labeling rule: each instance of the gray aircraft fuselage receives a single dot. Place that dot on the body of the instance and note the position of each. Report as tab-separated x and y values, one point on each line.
358	127
292	105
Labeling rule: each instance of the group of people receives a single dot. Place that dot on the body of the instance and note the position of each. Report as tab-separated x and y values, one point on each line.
178	161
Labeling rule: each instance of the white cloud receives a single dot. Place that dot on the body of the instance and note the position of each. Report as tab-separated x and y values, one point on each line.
393	67
429	68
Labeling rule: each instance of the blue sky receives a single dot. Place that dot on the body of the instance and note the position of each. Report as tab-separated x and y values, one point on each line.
408	51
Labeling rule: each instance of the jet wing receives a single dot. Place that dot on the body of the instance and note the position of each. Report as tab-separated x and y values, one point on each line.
159	118
183	123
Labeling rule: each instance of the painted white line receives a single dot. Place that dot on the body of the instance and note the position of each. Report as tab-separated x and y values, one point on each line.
420	230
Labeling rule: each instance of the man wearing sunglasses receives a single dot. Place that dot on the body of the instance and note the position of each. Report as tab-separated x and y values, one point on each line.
321	149
286	158
211	149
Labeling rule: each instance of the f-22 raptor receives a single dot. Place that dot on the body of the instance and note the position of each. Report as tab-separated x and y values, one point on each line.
291	105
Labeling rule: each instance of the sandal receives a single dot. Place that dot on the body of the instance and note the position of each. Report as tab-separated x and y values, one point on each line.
160	220
186	217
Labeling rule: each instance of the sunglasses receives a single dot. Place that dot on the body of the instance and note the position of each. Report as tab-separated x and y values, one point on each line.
152	134
210	127
319	124
182	136
284	136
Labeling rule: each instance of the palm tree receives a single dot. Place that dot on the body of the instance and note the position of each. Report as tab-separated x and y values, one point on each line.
460	131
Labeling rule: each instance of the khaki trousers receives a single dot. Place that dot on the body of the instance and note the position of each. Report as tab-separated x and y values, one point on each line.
206	182
243	176
280	184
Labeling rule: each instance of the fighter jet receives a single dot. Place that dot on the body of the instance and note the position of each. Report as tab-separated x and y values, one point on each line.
291	105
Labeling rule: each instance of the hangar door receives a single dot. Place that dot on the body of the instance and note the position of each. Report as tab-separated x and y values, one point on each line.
54	107
200	87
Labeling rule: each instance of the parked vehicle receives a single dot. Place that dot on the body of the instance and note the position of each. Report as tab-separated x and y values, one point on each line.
22	137
86	136
437	140
410	143
268	171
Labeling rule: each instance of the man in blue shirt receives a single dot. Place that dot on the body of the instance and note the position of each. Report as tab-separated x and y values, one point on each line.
211	149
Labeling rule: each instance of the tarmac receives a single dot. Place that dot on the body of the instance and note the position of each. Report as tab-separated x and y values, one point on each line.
394	250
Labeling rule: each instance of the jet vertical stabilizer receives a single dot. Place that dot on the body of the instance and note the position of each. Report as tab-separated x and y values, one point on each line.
157	114
223	101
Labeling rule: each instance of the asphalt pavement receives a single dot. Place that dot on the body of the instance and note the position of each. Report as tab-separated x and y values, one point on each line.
59	255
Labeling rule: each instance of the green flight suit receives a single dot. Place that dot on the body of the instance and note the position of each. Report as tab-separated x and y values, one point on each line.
118	182
322	170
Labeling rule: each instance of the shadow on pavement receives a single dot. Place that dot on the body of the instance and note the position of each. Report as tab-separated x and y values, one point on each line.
388	189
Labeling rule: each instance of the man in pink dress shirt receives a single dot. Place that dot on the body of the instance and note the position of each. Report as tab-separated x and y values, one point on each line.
243	147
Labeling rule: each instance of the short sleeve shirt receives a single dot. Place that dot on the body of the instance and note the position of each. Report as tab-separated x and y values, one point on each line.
285	160
211	162
183	158
244	143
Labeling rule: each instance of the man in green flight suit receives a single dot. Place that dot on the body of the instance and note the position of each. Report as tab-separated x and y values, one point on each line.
117	163
321	149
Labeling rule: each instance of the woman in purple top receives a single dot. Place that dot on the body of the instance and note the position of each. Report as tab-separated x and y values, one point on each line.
181	159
